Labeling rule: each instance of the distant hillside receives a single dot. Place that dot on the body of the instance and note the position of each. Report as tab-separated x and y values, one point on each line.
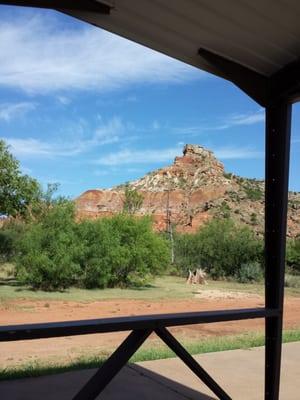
194	189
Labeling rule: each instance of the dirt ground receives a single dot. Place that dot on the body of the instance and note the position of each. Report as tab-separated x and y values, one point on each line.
70	348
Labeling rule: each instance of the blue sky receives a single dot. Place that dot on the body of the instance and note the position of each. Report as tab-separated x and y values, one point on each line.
88	109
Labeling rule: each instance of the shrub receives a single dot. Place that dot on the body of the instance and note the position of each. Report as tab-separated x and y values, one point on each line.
253	191
293	255
292	281
187	252
48	250
250	272
225	210
121	251
133	200
10	233
55	252
228	175
253	219
225	247
220	247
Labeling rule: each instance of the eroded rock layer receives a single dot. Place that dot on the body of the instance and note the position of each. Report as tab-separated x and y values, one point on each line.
194	189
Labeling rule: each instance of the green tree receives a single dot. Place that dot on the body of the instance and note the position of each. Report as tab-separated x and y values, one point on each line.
17	191
226	246
133	200
49	250
221	247
121	251
187	252
293	254
10	233
55	252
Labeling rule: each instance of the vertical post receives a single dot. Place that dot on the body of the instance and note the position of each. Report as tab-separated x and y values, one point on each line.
278	127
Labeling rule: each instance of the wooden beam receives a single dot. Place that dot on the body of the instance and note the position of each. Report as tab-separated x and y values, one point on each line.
74	5
251	82
84	327
285	84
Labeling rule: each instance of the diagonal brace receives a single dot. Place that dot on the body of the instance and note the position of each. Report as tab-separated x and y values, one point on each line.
251	82
181	352
113	365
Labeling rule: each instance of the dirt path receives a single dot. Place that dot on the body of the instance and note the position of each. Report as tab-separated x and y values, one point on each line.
20	312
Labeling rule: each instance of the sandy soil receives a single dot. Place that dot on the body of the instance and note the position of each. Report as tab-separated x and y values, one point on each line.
67	348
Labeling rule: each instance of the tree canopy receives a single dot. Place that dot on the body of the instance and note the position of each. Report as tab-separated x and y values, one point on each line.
17	190
133	200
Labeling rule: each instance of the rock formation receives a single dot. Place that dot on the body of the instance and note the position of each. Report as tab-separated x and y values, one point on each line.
194	189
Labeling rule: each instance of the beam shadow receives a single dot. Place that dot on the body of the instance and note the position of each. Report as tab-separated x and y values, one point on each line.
132	383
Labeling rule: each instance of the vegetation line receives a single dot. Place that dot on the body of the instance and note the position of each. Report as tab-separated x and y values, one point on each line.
244	341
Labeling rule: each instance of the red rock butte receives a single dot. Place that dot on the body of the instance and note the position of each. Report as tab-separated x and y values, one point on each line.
194	189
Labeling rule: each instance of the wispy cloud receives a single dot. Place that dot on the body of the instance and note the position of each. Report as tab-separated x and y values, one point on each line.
109	132
10	111
41	57
64	100
227	122
36	147
237	153
244	119
105	133
130	156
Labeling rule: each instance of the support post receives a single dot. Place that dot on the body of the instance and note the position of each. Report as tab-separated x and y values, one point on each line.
278	127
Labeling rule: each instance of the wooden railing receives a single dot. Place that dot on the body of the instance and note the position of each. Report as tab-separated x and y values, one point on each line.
141	328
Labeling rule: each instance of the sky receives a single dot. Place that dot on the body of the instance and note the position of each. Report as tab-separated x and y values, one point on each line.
87	109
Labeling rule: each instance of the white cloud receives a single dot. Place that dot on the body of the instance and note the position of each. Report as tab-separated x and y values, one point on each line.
228	122
246	119
237	153
36	147
9	111
105	133
42	57
64	100
109	132
155	125
128	156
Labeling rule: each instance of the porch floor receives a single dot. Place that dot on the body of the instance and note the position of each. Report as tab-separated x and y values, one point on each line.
239	372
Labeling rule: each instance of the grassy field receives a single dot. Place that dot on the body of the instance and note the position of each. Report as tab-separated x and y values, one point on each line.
208	345
165	287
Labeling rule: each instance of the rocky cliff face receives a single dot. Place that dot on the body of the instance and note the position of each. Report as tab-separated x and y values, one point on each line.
191	191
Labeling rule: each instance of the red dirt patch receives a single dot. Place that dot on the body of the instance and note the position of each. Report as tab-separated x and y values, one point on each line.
21	311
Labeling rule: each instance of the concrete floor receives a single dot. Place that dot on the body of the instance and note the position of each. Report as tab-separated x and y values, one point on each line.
239	372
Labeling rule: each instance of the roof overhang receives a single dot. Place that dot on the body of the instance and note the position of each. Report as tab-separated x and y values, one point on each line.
255	44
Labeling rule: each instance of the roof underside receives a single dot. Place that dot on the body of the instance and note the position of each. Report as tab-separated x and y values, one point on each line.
263	35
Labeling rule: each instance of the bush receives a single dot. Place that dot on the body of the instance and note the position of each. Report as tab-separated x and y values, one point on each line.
293	255
10	234
250	272
253	190
220	247
225	247
121	251
56	252
49	250
187	252
292	281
